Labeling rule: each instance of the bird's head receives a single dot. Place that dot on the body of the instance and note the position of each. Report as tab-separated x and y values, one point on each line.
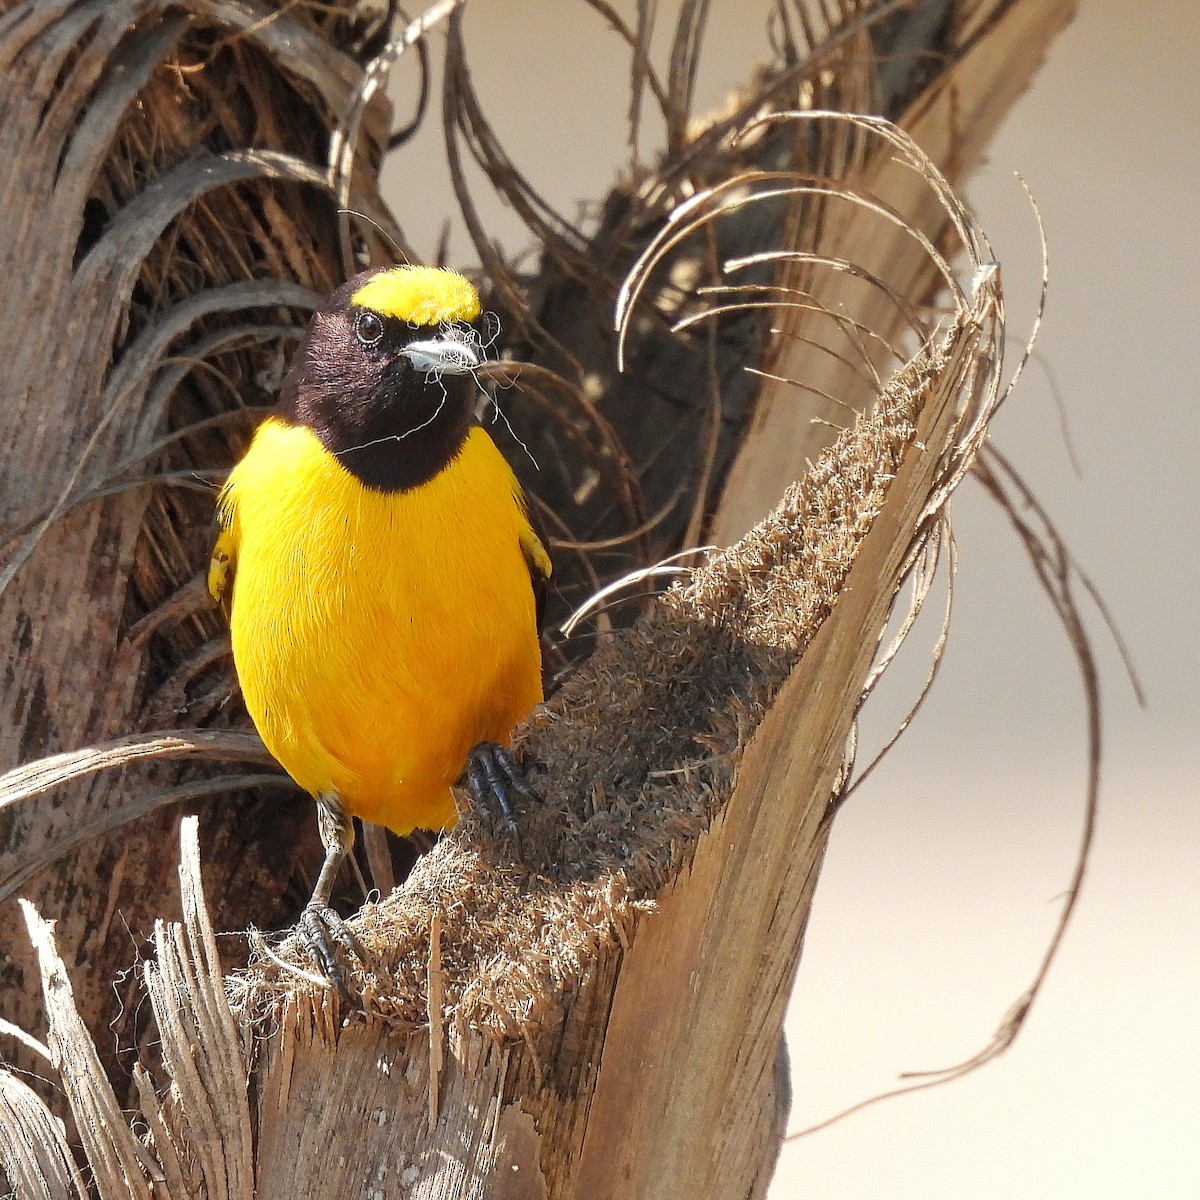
384	374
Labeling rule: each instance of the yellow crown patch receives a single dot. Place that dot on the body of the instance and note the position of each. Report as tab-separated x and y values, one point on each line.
419	295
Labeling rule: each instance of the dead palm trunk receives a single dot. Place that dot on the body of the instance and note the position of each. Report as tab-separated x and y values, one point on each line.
600	1017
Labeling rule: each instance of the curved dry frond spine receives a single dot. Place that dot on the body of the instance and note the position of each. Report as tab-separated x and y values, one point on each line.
923	576
553	233
35	1156
463	118
642	71
120	1164
26	783
120	77
127	385
141	804
204	1051
344	142
297	47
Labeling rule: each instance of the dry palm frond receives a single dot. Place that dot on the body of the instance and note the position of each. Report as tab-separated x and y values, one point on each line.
785	237
169	221
654	740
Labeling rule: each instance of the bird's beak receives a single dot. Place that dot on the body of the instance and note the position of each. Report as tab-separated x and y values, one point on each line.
444	355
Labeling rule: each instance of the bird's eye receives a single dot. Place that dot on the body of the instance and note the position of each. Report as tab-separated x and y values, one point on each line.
368	328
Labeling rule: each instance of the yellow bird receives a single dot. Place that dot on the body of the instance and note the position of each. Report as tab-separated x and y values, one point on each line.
381	577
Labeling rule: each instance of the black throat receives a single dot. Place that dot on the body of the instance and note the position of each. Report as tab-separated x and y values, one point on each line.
393	426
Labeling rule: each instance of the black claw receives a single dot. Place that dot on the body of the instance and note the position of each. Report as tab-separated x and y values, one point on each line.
318	929
494	775
514	773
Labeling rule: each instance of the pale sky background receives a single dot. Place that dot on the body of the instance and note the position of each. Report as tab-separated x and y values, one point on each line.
944	873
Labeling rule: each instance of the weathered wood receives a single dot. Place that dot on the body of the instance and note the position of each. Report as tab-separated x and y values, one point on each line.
713	969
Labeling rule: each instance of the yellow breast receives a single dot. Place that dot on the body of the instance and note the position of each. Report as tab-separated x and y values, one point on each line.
378	636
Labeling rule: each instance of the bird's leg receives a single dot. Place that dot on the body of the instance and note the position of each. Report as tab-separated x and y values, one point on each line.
320	926
494	775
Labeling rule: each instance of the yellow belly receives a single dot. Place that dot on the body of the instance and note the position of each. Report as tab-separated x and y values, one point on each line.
379	636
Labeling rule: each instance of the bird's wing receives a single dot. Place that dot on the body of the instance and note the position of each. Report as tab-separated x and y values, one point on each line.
223	563
537	557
